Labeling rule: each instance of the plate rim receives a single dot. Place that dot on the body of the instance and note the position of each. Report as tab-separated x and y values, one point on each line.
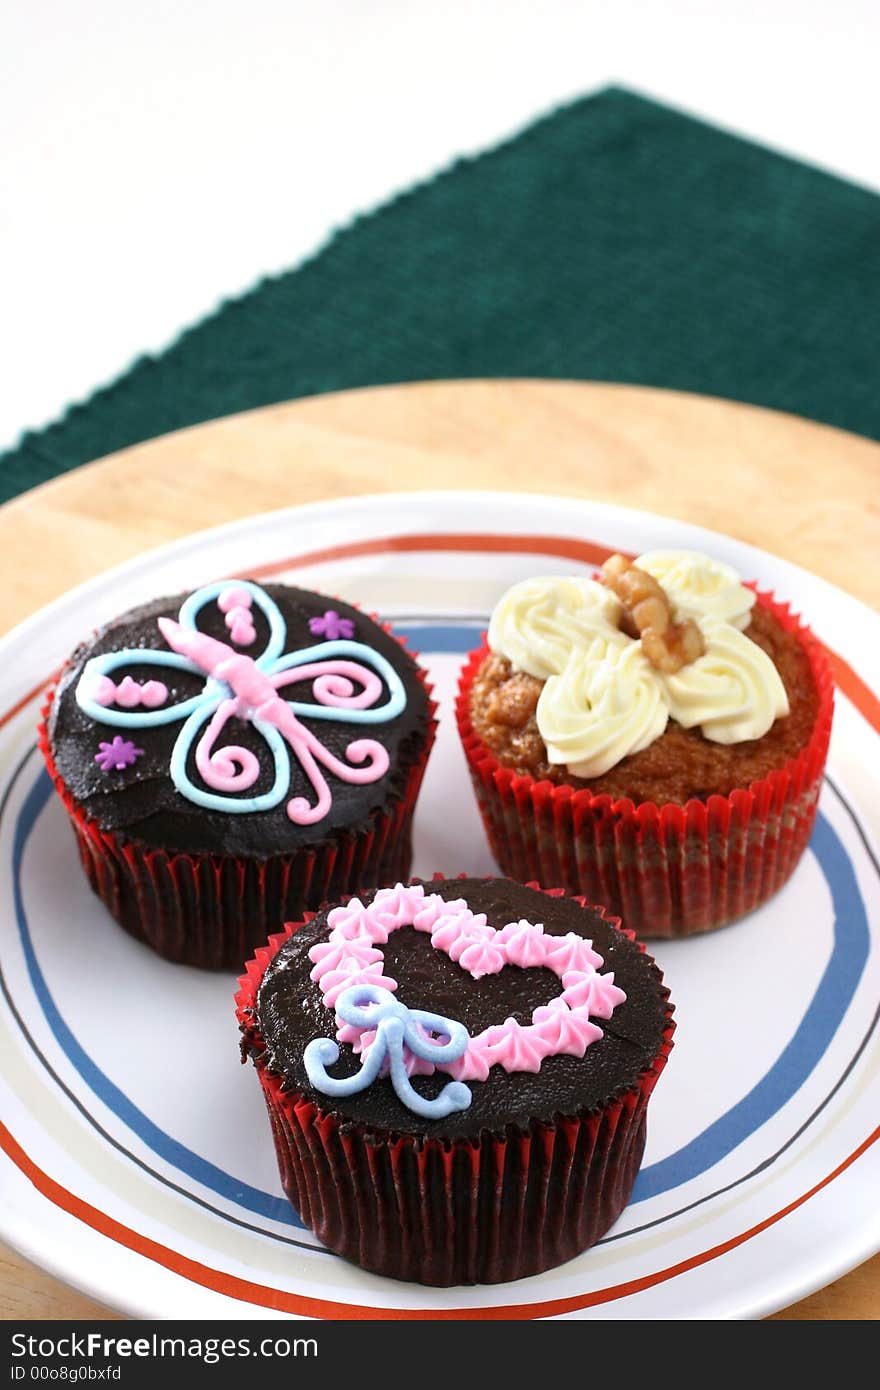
154	555
146	561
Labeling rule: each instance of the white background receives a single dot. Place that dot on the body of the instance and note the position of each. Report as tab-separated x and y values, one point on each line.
157	156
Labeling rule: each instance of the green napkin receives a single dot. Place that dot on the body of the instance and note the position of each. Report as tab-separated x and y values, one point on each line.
614	240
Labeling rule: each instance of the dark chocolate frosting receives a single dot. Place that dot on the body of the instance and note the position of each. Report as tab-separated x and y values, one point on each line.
141	802
291	1012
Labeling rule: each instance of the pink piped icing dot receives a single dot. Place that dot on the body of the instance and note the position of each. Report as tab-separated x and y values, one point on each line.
571	952
565	1031
128	694
241	628
429	910
329	955
525	944
353	921
335	982
153	694
234	598
470	942
480	958
473	1065
103	692
236	604
516	1048
395	907
587	990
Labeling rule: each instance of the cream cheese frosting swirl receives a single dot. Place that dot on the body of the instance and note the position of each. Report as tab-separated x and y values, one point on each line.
539	622
698	587
733	691
599	710
603	699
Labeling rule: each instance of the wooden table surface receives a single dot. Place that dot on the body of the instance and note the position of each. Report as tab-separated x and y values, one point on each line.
806	492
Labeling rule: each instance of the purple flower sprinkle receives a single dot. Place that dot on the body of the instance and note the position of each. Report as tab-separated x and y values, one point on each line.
119	754
331	626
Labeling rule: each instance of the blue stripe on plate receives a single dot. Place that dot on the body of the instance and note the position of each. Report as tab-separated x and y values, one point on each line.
168	1148
806	1047
442	639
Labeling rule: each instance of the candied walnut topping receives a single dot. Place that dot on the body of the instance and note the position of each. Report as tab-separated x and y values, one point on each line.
677	766
648	614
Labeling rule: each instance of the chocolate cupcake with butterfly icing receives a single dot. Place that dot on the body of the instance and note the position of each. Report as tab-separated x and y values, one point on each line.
232	757
457	1074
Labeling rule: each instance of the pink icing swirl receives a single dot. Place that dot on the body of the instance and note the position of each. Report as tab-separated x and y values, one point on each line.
565	1029
352	955
571	952
334	982
228	769
332	955
524	944
588	990
467	939
335	683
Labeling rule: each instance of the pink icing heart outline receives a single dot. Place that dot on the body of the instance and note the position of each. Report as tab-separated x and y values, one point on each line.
351	955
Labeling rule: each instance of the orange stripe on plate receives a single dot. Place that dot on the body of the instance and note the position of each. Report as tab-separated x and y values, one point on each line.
855	689
25	700
267	1297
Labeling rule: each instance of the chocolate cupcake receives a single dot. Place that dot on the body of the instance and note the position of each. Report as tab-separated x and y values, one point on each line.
232	758
654	740
457	1074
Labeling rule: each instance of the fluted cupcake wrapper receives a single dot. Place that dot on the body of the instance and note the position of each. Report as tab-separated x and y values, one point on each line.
479	1210
667	870
211	910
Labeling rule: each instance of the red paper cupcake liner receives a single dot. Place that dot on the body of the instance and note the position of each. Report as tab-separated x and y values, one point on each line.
212	910
667	870
477	1210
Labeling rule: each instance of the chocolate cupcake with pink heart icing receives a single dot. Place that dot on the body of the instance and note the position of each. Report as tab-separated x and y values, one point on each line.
232	757
457	1074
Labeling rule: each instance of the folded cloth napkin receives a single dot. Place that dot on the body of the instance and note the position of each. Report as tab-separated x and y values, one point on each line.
613	240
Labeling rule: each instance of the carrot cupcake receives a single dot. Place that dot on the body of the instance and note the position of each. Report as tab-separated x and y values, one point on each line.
654	738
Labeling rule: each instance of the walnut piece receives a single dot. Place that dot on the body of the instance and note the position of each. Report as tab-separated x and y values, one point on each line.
648	614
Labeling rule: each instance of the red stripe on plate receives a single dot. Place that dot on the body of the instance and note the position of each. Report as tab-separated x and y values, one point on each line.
25	700
588	552
855	689
267	1297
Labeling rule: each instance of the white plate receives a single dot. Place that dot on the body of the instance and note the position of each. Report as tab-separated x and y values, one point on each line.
139	1165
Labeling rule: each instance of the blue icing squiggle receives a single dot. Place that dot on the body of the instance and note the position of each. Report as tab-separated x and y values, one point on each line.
371	1006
